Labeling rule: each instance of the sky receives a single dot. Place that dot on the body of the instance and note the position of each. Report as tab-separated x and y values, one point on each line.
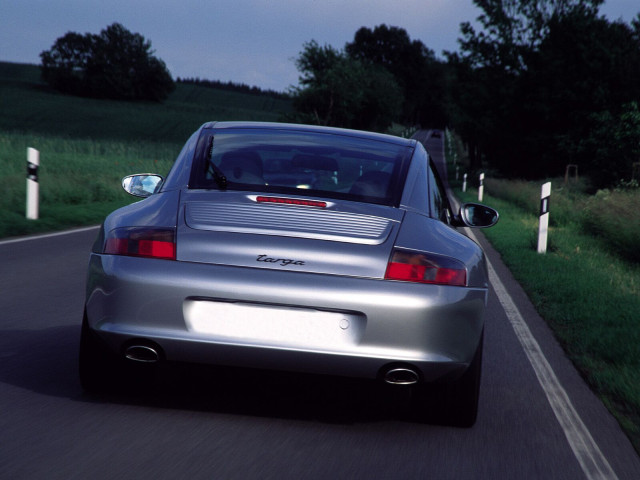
254	42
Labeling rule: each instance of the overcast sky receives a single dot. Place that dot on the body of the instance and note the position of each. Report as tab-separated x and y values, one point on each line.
245	41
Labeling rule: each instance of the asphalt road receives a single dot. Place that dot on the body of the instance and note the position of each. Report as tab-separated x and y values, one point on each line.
240	425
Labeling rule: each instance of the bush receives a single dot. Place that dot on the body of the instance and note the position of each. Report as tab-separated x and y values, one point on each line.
566	203
615	216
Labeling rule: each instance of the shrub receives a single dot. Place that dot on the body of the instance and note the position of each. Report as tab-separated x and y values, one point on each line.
615	216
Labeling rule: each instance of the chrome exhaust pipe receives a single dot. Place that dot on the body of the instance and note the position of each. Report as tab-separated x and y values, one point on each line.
142	353
401	376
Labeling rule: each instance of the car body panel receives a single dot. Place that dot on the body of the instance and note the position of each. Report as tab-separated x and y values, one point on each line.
435	328
290	287
230	228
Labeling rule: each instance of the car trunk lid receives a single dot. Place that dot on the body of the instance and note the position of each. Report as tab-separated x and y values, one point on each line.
236	229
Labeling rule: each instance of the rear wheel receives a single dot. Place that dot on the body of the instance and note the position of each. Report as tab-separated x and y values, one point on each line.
454	403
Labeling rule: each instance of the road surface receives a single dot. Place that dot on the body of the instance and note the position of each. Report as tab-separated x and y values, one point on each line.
206	424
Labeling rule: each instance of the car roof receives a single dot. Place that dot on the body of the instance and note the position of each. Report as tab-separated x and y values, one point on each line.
380	137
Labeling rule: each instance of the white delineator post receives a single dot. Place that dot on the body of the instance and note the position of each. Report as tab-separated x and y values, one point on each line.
464	182
33	187
543	228
481	188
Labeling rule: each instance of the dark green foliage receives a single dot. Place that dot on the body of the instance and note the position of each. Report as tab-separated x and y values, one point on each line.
611	145
547	84
29	106
233	87
415	68
381	77
614	216
575	90
115	64
337	90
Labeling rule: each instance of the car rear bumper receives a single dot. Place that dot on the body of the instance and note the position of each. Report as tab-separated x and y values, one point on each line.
281	320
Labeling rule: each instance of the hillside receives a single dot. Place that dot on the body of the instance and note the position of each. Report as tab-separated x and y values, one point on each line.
29	106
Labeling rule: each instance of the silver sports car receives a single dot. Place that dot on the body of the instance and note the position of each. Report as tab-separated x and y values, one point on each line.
293	248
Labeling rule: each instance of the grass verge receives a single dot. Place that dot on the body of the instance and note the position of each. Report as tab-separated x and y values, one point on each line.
79	179
588	295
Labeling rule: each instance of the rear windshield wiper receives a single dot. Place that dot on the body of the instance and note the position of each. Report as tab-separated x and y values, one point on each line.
218	175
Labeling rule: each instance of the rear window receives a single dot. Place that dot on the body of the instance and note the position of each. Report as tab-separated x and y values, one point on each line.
301	163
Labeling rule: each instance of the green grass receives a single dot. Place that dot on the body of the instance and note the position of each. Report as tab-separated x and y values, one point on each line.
586	291
28	105
86	145
79	179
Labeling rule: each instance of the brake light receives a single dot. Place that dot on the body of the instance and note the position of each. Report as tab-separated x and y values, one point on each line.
291	201
419	267
142	242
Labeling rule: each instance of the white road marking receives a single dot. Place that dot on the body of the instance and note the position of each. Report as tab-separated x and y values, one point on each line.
593	462
47	235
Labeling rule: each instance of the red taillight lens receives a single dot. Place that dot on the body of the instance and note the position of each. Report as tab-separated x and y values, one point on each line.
142	242
426	268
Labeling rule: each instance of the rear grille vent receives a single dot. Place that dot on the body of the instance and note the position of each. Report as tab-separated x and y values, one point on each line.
288	221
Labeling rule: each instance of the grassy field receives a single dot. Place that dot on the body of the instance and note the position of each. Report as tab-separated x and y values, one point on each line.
587	285
79	179
86	145
28	105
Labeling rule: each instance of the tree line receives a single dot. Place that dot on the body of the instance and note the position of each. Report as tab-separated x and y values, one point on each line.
549	83
233	87
541	84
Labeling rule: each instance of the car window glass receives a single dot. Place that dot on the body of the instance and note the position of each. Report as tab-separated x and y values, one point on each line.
437	197
337	166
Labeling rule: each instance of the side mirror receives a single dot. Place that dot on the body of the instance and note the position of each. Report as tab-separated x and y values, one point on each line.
142	184
477	215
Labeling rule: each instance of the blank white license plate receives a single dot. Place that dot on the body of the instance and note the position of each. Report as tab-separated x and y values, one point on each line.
273	325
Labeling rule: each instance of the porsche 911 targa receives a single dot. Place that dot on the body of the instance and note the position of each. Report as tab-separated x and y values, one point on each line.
293	248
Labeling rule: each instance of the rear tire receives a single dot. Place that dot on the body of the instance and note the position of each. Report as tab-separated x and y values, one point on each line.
454	404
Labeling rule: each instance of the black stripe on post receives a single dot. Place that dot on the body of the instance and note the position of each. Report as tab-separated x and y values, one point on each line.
544	205
32	171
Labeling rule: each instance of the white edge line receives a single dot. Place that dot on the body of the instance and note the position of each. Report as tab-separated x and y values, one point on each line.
48	235
591	459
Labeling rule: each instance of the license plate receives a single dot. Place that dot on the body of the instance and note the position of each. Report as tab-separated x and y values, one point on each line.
273	325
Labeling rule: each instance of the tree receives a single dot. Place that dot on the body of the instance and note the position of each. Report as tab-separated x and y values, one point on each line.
64	66
581	80
415	68
339	91
115	64
512	29
613	145
536	89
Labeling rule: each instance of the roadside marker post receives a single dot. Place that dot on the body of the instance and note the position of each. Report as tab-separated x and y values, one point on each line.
464	182
33	187
481	188
543	227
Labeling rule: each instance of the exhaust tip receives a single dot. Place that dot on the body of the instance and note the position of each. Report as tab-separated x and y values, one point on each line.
401	376
142	353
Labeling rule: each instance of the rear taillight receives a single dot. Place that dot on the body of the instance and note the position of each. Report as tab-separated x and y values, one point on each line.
142	242
409	266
